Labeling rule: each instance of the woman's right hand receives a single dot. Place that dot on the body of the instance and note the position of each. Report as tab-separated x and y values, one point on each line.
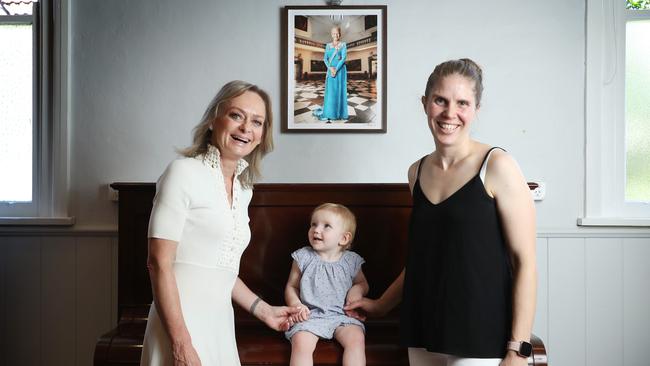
185	355
364	307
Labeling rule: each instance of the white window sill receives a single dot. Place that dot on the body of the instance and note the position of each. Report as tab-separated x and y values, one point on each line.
613	221
36	221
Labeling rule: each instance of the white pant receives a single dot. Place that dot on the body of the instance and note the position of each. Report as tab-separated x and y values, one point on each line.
422	357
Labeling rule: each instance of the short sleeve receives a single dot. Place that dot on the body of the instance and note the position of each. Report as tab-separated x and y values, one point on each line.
353	262
302	257
171	203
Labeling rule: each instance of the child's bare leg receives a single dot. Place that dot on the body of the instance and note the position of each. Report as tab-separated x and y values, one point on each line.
353	341
302	348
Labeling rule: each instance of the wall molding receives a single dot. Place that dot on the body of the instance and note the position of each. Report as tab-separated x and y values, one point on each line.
111	231
594	232
77	230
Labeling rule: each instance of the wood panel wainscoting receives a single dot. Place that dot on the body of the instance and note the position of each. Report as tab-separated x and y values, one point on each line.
279	220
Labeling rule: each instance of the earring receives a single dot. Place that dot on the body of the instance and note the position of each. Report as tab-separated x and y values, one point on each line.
210	128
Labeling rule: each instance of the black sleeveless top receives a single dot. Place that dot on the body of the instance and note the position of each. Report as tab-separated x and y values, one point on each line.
458	284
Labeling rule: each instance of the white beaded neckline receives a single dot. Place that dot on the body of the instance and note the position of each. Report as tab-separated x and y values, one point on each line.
212	159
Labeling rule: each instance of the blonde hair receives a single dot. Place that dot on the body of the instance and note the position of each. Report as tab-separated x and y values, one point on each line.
349	220
202	134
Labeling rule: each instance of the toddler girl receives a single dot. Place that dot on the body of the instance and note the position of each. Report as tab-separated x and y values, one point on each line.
324	277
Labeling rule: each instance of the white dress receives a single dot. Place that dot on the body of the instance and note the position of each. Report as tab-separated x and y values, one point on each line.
191	208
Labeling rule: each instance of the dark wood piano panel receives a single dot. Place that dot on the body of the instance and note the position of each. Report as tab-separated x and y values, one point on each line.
135	202
279	220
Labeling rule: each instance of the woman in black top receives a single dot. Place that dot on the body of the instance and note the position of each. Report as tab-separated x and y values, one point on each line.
468	289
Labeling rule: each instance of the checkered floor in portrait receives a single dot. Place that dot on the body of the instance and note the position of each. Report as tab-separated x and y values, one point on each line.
362	99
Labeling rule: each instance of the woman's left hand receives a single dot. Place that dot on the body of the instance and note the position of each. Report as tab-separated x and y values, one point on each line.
512	359
278	317
353	296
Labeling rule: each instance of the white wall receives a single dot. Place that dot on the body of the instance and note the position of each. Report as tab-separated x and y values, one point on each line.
143	71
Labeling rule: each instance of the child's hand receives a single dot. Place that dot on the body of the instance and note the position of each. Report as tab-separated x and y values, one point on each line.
352	298
360	309
354	294
301	315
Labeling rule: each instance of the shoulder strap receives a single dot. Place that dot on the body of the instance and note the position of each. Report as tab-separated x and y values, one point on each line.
417	172
485	161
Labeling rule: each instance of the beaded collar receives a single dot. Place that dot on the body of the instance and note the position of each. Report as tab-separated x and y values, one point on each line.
212	159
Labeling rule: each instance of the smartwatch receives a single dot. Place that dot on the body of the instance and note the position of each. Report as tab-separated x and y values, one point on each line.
523	348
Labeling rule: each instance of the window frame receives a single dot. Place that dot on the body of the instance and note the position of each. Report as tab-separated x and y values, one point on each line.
605	118
50	138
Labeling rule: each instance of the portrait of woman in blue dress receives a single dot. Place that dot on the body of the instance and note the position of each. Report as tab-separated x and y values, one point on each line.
335	102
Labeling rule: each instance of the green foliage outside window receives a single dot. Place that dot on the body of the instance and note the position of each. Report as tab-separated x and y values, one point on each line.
637	5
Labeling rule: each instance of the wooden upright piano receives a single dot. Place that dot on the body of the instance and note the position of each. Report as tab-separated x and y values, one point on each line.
279	218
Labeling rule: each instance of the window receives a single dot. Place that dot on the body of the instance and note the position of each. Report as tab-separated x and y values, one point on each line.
617	170
637	102
33	95
17	60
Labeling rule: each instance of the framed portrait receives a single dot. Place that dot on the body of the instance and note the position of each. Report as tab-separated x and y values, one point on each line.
334	69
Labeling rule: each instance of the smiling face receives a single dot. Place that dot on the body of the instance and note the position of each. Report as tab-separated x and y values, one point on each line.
451	109
327	234
336	34
239	125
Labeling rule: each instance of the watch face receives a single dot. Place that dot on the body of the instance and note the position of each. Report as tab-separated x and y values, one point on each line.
526	349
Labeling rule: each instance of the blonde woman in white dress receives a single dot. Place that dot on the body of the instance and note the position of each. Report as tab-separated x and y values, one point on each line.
198	231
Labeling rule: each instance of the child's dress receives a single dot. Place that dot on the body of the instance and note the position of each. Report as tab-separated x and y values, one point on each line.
323	288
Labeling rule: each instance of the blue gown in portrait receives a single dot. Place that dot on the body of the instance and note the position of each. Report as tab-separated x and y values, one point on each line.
335	102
